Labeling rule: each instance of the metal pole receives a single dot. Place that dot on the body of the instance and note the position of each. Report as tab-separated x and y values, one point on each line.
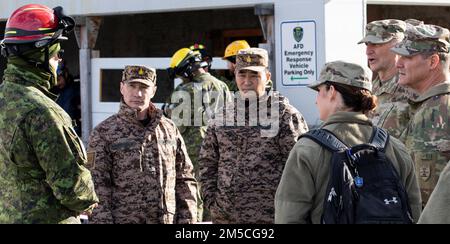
86	33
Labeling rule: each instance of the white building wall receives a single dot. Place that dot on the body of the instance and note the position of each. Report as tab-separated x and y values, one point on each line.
339	24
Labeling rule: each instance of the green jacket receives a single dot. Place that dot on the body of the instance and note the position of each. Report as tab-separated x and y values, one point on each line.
42	173
301	192
393	111
207	95
437	210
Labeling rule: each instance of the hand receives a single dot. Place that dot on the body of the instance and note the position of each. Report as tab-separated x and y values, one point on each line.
88	212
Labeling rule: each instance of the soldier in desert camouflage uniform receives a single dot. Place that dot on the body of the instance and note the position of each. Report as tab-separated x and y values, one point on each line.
424	66
240	165
393	110
43	178
139	161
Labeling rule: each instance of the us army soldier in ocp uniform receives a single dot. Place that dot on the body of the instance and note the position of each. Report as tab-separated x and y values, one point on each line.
240	166
424	66
139	161
393	109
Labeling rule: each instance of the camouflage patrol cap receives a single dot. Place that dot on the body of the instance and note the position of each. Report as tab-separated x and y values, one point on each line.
141	74
344	73
423	39
255	59
383	31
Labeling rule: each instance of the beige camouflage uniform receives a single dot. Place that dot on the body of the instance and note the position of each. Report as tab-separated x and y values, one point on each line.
429	131
143	173
393	109
239	168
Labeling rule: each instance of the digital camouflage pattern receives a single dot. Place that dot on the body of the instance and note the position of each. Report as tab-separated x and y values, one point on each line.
383	31
343	73
240	169
423	39
437	210
428	136
139	74
256	59
42	161
142	174
301	193
393	111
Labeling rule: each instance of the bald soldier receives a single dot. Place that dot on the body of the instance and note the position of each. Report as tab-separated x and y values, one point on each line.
245	148
424	66
392	112
139	161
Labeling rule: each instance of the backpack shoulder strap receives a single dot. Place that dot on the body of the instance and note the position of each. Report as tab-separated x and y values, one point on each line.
325	138
380	138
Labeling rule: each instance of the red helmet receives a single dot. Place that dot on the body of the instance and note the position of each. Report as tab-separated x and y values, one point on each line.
37	24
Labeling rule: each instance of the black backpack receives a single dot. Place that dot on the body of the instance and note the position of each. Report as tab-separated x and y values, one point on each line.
364	187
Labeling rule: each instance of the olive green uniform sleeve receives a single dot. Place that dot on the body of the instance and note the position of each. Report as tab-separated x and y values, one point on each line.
62	157
186	185
101	165
296	192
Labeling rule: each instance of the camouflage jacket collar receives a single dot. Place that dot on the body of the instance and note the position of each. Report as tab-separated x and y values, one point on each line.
388	86
348	117
441	89
29	77
130	115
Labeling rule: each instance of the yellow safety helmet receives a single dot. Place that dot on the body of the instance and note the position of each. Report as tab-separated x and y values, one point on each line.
234	47
182	62
179	56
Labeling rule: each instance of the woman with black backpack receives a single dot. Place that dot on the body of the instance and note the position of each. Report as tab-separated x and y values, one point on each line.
342	173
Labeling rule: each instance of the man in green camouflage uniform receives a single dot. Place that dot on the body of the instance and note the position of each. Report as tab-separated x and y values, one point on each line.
139	161
246	146
43	177
393	110
200	86
424	66
202	93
